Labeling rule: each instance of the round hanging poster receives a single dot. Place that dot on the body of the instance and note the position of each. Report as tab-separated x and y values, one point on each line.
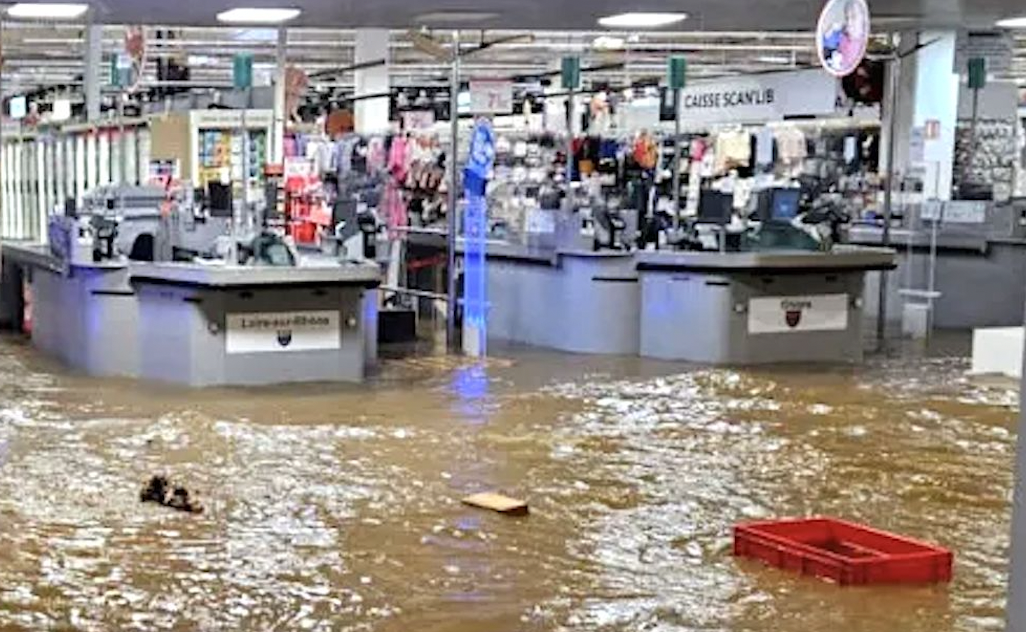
842	35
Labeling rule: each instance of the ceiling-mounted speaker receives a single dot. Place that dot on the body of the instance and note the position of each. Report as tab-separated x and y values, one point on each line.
866	83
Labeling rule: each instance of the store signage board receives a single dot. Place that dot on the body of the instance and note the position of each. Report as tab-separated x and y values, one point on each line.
789	314
955	212
223	119
994	46
759	98
491	96
298	168
282	332
418	119
842	36
917	145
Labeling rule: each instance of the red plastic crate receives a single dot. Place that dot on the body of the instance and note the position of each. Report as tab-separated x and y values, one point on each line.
844	552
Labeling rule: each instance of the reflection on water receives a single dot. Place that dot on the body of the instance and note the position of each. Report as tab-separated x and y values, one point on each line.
337	508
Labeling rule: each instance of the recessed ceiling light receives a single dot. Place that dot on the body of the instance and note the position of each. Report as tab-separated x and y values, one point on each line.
454	17
641	20
47	11
1013	23
894	19
244	15
774	59
608	42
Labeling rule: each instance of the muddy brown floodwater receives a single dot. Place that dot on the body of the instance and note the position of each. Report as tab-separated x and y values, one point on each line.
337	507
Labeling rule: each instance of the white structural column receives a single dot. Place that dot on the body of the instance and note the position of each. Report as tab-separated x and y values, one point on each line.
93	66
928	90
371	114
276	154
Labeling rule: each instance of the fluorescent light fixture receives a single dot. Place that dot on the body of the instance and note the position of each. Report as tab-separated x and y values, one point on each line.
454	17
641	20
47	11
247	15
202	60
773	59
255	35
608	42
1013	23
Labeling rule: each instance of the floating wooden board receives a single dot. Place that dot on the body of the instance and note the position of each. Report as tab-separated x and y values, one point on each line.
497	502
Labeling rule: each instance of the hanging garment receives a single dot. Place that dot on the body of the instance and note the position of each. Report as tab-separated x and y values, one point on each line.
733	150
343	160
377	155
646	151
791	145
396	216
764	147
697	149
291	147
398	158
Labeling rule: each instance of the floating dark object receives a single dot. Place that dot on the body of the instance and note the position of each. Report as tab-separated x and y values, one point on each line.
844	552
159	490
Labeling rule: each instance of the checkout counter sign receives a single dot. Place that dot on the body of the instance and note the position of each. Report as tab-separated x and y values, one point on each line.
283	332
786	314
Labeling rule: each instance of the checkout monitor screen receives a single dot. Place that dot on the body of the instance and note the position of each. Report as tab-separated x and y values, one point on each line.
715	207
785	204
219	196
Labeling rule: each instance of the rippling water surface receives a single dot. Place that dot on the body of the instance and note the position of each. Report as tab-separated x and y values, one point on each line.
337	507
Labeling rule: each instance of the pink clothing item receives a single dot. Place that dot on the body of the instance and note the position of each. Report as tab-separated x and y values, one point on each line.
377	157
397	158
396	215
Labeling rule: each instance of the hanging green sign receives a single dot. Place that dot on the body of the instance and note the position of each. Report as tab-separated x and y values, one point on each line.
242	71
121	70
676	73
977	73
571	73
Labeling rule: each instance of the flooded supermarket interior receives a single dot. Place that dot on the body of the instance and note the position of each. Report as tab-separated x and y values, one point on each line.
337	508
496	316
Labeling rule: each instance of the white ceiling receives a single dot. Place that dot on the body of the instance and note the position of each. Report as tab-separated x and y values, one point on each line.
721	37
48	55
747	15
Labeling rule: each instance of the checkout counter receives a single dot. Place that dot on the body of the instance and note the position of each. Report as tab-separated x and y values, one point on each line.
755	307
980	263
721	305
197	322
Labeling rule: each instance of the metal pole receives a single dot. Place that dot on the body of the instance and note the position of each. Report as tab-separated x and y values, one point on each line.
569	151
454	197
676	158
972	136
122	145
94	61
277	140
892	144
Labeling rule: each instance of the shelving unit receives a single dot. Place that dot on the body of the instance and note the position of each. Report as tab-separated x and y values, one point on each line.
42	168
207	145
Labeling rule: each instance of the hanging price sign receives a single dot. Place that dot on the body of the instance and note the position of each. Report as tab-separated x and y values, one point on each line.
488	96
